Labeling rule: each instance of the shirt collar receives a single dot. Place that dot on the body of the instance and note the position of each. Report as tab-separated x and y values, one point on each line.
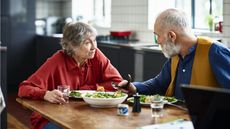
190	50
71	64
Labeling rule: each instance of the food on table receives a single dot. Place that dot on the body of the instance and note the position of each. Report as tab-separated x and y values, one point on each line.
170	99
146	99
75	94
100	88
116	94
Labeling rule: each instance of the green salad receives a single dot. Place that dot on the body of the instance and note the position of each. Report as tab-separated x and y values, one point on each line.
75	94
105	95
170	99
146	99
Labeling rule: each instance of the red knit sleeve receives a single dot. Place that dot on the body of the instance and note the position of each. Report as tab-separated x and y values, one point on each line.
38	83
108	71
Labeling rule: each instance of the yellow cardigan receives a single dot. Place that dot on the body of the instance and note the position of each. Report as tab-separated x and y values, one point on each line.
201	70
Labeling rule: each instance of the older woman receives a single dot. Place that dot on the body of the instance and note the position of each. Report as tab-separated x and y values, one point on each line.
80	64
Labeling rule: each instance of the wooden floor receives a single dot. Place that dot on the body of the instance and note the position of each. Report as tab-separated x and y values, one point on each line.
17	116
14	123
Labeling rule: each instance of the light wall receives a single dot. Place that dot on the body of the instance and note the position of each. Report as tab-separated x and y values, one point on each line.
127	15
53	8
133	15
226	22
130	15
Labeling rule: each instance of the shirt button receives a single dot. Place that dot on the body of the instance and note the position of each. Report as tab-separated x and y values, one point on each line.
183	70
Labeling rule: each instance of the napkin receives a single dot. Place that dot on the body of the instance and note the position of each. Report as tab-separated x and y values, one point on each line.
177	124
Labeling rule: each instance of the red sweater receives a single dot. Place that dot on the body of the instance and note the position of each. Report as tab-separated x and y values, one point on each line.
61	69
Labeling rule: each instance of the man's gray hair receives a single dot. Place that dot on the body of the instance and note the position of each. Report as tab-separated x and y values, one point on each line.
174	19
74	34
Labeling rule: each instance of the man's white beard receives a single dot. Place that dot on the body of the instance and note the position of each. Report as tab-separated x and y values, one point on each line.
170	49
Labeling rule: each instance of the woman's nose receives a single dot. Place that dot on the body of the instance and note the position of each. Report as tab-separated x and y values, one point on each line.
94	45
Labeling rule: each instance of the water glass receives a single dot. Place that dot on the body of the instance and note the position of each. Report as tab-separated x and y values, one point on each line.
65	89
157	106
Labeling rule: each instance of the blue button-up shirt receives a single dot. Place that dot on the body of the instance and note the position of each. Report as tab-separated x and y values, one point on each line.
219	57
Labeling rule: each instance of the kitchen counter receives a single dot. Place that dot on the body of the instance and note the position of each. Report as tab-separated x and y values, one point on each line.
136	45
141	60
133	45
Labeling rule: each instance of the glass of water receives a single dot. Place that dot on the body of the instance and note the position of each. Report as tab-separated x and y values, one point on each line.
65	89
157	106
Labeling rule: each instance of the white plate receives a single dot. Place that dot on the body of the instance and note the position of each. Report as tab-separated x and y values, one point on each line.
131	101
82	92
147	104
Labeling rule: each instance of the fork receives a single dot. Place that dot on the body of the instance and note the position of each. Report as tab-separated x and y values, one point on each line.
178	106
115	85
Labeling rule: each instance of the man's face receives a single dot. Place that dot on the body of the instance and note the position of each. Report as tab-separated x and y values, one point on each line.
169	48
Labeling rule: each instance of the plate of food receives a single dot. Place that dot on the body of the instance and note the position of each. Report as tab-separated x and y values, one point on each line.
79	93
146	99
105	99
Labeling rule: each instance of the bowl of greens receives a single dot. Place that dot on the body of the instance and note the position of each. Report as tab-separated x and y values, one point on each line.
105	99
79	93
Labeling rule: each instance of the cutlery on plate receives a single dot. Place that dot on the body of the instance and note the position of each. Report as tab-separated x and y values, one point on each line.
178	106
129	79
115	85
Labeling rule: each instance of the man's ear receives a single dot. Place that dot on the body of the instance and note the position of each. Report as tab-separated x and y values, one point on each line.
172	35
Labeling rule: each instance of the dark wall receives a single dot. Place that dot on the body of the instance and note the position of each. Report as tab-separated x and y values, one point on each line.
17	33
4	38
20	29
46	46
3	86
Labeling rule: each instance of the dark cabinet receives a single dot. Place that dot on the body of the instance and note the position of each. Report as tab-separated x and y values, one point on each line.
153	62
122	58
127	62
141	64
5	7
17	33
112	53
3	87
46	46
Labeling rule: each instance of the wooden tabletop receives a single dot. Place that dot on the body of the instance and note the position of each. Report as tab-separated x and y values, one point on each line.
77	114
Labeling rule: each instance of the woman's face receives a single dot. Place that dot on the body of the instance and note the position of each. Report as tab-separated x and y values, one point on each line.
87	49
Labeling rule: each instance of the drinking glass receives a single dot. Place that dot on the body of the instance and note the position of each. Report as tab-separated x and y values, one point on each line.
65	90
157	106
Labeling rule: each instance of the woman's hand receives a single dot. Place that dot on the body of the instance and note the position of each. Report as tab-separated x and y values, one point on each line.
54	96
128	89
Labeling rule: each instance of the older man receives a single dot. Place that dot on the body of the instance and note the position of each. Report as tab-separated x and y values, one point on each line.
191	60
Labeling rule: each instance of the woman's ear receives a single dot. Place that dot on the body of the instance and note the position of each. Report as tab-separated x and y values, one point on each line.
172	35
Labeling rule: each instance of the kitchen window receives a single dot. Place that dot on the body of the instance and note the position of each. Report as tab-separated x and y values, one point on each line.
205	14
96	12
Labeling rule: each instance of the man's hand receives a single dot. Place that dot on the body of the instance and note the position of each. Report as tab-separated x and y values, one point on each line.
128	89
54	96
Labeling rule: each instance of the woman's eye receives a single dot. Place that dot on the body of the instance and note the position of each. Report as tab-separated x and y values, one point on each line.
87	42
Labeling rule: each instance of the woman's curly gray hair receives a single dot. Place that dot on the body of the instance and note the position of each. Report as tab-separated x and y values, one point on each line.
74	34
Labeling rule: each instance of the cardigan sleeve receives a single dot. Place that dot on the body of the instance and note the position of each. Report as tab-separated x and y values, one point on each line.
108	71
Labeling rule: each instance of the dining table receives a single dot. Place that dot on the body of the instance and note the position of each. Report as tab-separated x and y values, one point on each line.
79	115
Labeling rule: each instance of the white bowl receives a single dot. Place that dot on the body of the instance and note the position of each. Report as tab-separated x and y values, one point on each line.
104	102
